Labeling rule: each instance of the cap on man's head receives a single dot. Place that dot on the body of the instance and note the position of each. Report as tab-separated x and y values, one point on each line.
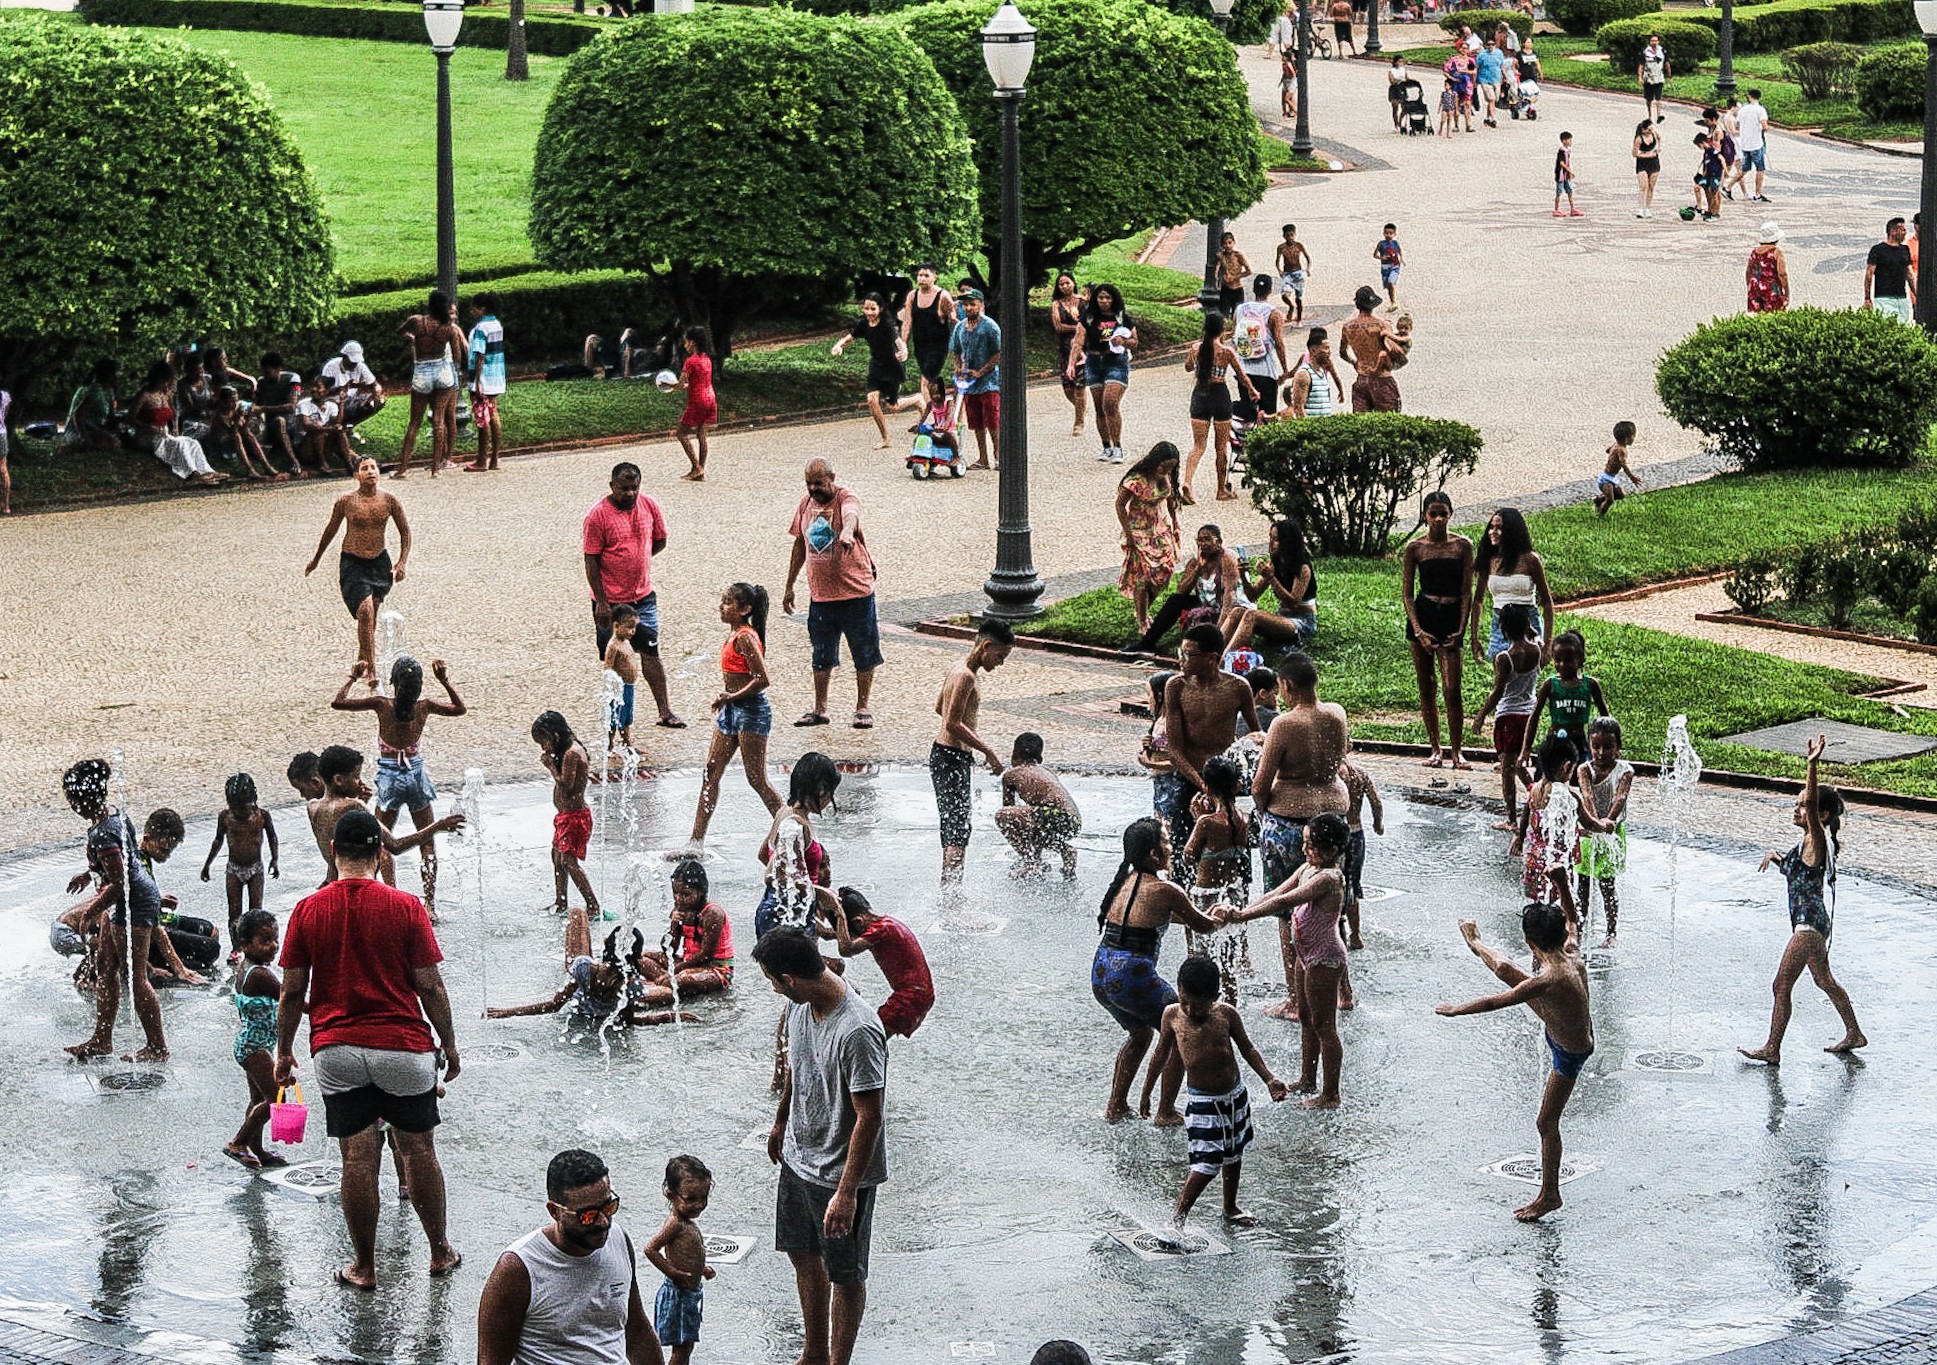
353	352
357	835
975	294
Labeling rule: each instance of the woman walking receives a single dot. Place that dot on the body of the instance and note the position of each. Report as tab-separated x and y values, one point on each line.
1647	167
435	343
1768	273
1109	339
1066	317
1436	573
1210	358
1146	509
887	359
1507	572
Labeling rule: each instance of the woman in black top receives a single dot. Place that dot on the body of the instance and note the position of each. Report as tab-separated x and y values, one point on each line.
1647	165
1436	574
1066	306
1210	358
887	354
1287	572
1109	338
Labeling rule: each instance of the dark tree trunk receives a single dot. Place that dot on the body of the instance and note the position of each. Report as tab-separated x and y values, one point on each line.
516	67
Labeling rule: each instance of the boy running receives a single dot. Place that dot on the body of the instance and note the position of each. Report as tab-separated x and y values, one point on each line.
1391	259
1294	265
1607	488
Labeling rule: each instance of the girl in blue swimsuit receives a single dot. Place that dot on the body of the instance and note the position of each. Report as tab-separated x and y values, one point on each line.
1810	870
257	992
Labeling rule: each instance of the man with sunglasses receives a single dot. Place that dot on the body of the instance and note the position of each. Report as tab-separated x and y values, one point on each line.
567	1293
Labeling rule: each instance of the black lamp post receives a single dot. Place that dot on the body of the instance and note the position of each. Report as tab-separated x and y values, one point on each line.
1214	227
1008	48
1301	135
1372	45
1927	202
1725	52
442	19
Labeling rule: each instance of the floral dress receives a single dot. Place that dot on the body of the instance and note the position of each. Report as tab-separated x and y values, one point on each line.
1765	285
1150	544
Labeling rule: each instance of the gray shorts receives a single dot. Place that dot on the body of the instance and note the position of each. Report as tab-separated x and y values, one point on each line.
799	1211
361	1085
65	939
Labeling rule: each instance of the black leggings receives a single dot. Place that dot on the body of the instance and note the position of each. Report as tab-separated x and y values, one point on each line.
1167	615
195	944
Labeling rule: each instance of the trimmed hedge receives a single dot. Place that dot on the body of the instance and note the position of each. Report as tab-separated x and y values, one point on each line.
1791	23
1250	19
1822	69
1486	22
1344	477
1890	82
1582	17
552	37
1688	45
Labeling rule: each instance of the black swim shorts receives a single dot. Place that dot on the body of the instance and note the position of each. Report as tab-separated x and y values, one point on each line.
360	578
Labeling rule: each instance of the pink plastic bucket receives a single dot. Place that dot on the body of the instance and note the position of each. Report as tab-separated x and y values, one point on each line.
287	1121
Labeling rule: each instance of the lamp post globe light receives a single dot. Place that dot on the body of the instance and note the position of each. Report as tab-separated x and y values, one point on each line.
442	19
1009	48
1214	227
1927	201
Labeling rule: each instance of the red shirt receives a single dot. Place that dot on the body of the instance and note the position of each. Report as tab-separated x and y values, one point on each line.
698	371
835	572
362	942
899	955
623	542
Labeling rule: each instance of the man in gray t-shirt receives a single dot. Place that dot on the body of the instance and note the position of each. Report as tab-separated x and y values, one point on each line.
826	1139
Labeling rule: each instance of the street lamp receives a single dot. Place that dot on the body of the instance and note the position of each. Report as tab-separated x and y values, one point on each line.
1725	51
1301	134
1927	202
1372	45
1009	47
1214	227
442	19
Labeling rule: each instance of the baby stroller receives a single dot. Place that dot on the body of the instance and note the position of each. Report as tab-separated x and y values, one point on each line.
1414	117
927	459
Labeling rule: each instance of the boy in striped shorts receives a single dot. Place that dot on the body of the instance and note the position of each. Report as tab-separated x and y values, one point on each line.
1208	1035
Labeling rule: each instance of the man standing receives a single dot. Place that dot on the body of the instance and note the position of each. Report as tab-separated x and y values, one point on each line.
1258	336
1889	278
1369	345
827	1140
353	385
951	758
622	533
360	958
840	589
1297	779
1202	707
976	347
1653	73
1342	12
1752	144
1491	66
364	573
487	380
567	1293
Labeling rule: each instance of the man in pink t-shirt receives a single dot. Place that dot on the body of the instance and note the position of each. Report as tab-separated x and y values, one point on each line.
840	589
623	531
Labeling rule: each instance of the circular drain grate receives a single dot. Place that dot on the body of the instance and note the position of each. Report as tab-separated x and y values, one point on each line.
493	1052
123	1082
1528	1168
1668	1059
1171	1244
312	1177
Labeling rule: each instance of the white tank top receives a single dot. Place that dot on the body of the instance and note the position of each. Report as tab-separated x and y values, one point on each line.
578	1306
1251	339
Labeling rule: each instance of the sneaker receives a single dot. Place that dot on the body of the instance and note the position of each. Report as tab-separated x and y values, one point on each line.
1728	194
1758	198
1640	213
1103	455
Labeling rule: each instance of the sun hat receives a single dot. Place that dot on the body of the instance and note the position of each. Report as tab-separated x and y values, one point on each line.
1771	233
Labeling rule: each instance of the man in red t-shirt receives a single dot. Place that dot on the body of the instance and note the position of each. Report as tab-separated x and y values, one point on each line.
363	957
622	533
858	929
840	589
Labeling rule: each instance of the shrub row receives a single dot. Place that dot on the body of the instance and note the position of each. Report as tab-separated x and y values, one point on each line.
1790	23
1582	17
1688	45
554	37
1486	22
1891	565
1890	82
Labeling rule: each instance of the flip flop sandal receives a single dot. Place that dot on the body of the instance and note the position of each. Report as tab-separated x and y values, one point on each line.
349	1283
246	1160
811	718
864	720
671	723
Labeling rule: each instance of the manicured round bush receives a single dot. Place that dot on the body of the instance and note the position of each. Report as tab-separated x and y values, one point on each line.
1250	19
1890	82
1804	387
1582	17
1486	22
1344	477
751	157
1822	69
1926	611
1135	118
1688	45
148	194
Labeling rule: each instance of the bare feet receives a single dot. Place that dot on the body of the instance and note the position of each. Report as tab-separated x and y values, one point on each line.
1506	825
1227	494
693	476
1608	942
1116	1111
1305	1086
147	1054
1348	1002
84	1052
445	1262
1281	1009
1852	1040
1433	760
1167	1118
880	445
351	1278
1543	1205
1459	762
1768	1055
1321	1102
1356	943
981	464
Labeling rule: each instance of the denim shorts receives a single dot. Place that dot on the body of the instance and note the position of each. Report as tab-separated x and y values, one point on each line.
853	617
751	717
403	782
1755	159
646	638
1105	367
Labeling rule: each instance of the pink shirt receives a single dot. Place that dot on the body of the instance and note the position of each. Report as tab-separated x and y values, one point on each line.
835	572
623	542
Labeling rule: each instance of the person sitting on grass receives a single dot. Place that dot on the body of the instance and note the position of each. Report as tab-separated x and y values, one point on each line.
278	390
320	421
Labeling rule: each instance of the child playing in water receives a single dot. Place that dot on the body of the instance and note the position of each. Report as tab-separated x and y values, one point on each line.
243	826
1604	782
678	1252
858	929
1219	849
304	777
742	711
1552	820
704	937
340	770
570	767
1516	671
1556	991
1314	897
1208	1034
1361	791
1569	698
593	989
622	658
257	991
1810	870
1607	488
1038	814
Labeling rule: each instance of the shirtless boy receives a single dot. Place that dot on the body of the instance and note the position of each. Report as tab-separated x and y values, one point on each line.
622	657
1607	487
1298	777
363	571
1294	267
678	1251
344	790
1556	991
570	767
1038	814
1209	1036
1202	707
951	758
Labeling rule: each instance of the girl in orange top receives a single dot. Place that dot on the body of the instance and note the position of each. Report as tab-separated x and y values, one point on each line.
742	715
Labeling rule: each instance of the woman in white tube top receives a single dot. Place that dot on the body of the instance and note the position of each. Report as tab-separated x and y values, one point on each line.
1507	572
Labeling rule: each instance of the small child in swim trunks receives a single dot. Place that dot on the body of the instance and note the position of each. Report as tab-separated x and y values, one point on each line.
622	658
1556	991
678	1252
1607	487
257	993
1038	814
243	826
1220	850
570	767
1208	1035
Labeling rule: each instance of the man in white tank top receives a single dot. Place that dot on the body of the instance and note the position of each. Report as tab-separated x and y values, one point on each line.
567	1293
